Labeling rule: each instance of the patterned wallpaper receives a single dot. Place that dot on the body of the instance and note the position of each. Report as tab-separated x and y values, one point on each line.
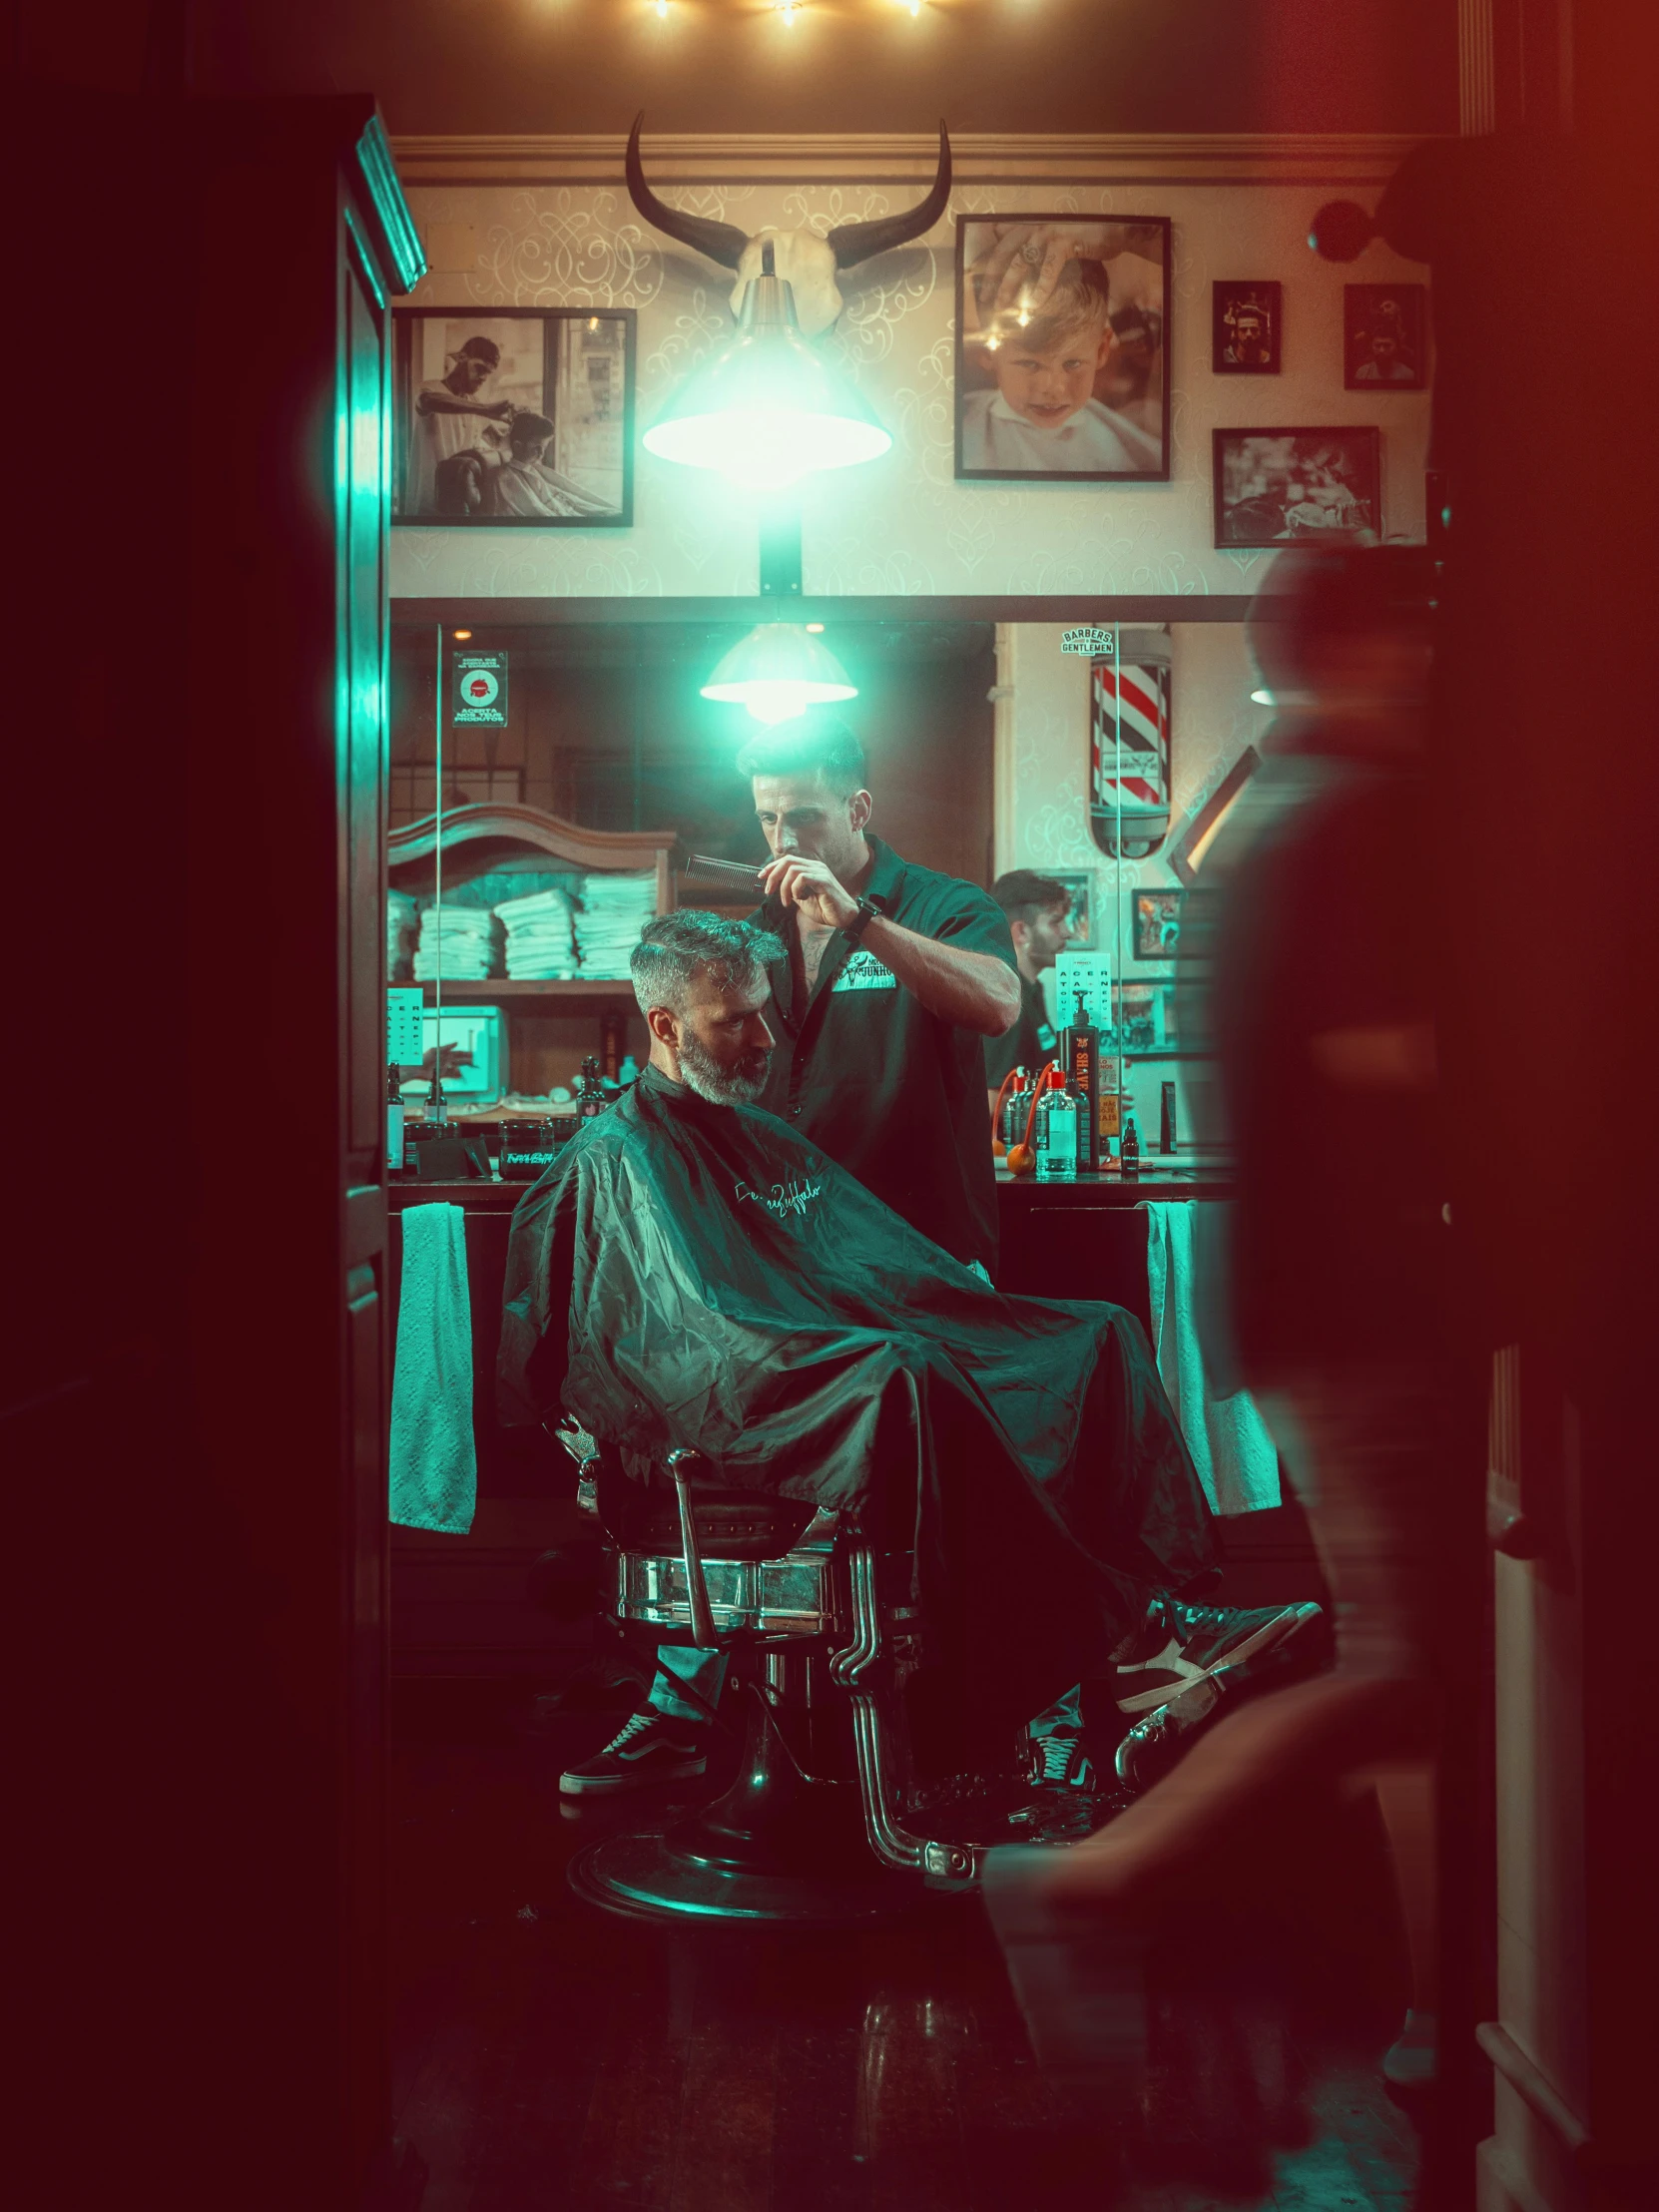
899	525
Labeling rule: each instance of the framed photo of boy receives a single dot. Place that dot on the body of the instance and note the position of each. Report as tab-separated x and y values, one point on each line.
514	417
1385	338
1274	487
1062	348
1246	328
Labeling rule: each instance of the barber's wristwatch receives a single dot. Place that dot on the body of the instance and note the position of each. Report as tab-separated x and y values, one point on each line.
861	921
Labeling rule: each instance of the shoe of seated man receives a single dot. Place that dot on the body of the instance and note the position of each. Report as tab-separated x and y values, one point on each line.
648	1748
1179	1646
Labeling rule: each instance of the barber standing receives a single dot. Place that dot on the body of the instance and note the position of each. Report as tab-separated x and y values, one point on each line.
1040	921
893	977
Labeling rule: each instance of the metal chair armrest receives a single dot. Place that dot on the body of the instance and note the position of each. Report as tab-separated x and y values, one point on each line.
697	1589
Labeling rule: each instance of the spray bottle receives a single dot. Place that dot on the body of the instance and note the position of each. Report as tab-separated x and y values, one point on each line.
1056	1132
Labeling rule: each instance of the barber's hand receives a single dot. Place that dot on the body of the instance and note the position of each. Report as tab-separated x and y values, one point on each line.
1028	258
809	886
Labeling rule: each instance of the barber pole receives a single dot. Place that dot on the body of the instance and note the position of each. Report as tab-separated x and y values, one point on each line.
1129	733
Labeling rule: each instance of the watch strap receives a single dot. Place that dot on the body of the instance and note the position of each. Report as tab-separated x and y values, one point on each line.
861	921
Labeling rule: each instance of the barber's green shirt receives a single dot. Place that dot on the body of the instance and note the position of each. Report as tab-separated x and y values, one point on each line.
893	1092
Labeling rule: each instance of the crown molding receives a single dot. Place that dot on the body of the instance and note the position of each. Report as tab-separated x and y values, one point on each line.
869	158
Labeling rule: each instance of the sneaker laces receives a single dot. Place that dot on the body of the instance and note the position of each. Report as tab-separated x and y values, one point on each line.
635	1725
1060	1761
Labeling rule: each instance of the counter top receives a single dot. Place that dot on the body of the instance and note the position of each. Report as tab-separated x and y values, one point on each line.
1162	1185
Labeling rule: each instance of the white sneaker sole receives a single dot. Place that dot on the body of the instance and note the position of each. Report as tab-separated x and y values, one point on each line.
1280	1629
618	1785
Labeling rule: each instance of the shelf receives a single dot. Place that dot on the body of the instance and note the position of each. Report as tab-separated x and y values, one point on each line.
490	987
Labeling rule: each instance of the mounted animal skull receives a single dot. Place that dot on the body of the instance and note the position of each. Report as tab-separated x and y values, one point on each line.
809	264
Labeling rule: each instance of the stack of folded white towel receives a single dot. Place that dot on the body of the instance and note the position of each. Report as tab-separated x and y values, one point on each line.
615	909
539	946
466	938
400	934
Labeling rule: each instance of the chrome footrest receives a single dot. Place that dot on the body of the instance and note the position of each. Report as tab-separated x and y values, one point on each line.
790	1597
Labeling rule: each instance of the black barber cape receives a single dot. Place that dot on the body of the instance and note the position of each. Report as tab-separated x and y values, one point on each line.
890	1090
699	1275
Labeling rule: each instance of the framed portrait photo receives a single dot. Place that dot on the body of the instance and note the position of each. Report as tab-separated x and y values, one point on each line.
1245	326
1080	914
1385	338
1062	348
1279	487
1154	916
514	417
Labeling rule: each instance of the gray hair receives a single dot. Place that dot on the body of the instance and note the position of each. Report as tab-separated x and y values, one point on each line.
676	948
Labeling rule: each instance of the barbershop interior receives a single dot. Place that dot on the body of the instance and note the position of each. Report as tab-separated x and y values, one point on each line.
851	1411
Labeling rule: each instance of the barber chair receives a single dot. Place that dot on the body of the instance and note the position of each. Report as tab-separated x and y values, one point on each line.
821	1826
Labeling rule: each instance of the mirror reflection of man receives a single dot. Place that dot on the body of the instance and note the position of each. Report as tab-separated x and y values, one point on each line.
893	977
452	416
1039	921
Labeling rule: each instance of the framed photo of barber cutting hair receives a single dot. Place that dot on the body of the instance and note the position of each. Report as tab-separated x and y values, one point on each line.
1062	348
514	418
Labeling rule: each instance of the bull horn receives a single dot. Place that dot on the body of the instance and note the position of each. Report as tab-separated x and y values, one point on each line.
852	243
722	242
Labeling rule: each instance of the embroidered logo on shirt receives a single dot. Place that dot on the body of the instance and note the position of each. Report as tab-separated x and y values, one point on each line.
864	972
1045	1036
793	1197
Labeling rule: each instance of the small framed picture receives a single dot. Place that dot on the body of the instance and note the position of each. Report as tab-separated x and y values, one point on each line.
1080	912
1274	487
1146	1017
1062	348
1157	923
1385	338
1245	322
514	417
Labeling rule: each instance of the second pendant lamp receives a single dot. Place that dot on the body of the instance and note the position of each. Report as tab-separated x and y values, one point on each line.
779	671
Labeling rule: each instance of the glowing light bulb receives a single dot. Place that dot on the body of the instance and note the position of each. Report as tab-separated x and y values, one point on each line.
787	9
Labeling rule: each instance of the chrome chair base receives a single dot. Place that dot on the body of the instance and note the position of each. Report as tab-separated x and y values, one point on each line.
777	1850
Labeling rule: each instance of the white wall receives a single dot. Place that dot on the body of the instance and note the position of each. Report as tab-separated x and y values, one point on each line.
901	525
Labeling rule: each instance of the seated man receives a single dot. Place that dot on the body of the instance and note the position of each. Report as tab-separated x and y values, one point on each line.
690	1272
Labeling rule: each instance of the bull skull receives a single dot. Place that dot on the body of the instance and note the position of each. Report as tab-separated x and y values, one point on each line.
809	264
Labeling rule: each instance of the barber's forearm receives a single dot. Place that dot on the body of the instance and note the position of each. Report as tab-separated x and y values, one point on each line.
971	991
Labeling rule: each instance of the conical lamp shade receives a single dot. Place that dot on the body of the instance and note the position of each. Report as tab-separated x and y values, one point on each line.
767	411
778	671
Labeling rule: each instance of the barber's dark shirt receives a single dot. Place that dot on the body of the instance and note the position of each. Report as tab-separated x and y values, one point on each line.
1028	1044
893	1092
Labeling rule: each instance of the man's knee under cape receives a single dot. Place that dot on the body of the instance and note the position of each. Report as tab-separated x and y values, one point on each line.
690	1274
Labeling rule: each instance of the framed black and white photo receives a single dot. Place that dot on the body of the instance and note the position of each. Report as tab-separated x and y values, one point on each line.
1246	328
1279	487
1385	338
1062	348
514	417
1156	917
1079	888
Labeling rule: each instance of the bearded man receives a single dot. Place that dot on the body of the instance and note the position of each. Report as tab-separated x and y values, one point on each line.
693	1271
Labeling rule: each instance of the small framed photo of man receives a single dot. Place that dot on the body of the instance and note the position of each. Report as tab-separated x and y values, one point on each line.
1246	317
1277	487
1062	348
514	417
1385	338
1156	934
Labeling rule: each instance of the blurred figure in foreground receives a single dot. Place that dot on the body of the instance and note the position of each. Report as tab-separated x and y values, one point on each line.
1321	1016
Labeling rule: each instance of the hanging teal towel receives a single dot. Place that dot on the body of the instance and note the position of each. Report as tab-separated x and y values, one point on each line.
1228	1439
434	1466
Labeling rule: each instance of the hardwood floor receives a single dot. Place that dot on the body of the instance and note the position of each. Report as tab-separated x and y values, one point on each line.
550	2056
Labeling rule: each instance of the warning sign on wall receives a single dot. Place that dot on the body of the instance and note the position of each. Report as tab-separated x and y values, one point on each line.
480	690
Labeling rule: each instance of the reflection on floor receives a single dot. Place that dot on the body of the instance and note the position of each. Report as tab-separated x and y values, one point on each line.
549	2056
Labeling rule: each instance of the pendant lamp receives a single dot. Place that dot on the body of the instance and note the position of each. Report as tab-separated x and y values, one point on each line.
778	671
767	411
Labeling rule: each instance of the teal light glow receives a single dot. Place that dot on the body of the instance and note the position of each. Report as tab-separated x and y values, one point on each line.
778	671
767	411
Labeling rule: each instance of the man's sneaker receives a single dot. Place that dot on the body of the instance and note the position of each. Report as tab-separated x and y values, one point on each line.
1181	1645
648	1748
1060	1762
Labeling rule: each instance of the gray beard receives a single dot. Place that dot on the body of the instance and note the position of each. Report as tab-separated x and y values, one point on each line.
702	1073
